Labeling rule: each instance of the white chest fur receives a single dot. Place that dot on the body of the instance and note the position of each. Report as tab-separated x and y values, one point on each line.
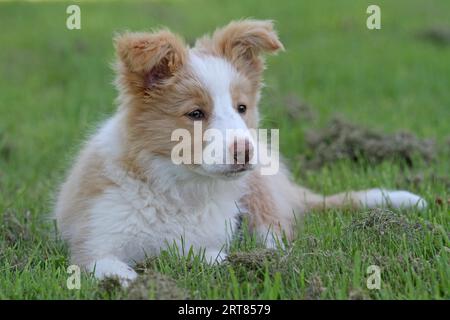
133	219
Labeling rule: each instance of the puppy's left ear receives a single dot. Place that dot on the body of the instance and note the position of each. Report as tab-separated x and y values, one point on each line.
243	43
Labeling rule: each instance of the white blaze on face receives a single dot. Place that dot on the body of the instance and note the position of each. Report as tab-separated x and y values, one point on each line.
216	75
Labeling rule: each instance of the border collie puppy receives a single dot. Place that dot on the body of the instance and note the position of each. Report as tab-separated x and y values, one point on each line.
126	198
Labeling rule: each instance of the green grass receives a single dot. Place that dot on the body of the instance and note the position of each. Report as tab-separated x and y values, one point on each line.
55	85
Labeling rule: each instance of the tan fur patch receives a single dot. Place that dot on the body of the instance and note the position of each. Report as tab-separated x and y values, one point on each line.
261	206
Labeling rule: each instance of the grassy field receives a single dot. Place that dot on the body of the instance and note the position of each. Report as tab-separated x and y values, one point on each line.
55	85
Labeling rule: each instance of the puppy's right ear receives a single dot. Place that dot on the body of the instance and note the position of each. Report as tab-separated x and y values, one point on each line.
147	60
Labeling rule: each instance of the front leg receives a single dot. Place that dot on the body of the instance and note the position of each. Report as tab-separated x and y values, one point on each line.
270	203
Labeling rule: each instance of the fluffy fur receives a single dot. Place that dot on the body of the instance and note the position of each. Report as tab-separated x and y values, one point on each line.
125	199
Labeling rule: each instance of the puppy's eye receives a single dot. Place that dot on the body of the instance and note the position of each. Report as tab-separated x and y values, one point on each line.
242	108
196	114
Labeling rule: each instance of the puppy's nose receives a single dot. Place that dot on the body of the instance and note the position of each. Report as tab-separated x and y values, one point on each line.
242	151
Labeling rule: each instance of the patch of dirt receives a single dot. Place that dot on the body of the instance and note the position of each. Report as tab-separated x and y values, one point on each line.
13	230
15	261
254	265
409	262
343	140
315	288
156	286
386	222
110	285
297	109
253	259
376	259
439	35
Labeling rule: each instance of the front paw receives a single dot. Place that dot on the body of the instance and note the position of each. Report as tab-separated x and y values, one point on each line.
112	267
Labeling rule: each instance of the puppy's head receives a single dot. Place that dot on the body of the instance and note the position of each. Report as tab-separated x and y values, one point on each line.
195	104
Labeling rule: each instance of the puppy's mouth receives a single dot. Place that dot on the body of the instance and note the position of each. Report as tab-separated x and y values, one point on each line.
237	171
230	172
